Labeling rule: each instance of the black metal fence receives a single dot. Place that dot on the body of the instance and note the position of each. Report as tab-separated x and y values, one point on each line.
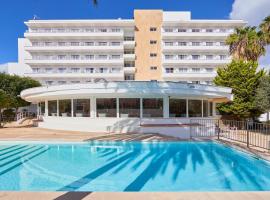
251	133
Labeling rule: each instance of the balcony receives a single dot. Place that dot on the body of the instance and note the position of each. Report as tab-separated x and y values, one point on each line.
190	75
129	57
74	35
75	61
178	48
129	44
196	62
74	48
129	70
195	35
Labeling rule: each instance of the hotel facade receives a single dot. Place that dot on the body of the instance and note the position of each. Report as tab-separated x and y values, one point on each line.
104	75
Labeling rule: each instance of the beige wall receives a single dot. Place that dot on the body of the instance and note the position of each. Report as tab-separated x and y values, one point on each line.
144	19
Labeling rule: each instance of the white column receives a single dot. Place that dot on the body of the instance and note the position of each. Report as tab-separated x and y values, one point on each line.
187	108
202	108
141	108
93	109
166	107
46	109
72	109
38	109
214	109
117	108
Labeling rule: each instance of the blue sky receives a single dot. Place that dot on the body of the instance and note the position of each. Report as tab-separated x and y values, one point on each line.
14	12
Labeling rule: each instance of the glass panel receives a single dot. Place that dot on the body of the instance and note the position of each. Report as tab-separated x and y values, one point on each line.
178	108
42	108
81	107
195	108
52	108
129	107
211	109
106	107
152	107
205	108
65	108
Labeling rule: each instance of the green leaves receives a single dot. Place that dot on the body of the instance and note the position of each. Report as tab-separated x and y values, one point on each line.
244	79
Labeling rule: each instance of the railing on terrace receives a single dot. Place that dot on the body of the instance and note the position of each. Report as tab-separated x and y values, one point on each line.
250	133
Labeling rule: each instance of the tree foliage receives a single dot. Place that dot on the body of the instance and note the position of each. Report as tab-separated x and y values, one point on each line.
243	78
265	30
262	98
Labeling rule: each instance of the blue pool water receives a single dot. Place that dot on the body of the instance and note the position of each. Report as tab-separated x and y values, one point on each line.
131	166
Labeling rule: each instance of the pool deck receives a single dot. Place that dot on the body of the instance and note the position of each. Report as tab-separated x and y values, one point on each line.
136	195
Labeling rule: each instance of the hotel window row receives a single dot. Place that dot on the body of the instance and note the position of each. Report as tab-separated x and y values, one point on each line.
75	30
195	57
78	57
197	30
194	43
78	70
76	43
128	108
189	70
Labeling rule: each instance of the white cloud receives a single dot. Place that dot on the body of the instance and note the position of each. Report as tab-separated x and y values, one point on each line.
252	11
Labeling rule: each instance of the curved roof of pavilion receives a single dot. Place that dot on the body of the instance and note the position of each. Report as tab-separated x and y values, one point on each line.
126	89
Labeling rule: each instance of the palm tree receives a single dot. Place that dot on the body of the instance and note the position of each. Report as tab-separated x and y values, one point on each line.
265	29
246	44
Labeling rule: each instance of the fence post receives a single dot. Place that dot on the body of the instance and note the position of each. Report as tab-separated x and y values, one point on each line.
247	126
218	130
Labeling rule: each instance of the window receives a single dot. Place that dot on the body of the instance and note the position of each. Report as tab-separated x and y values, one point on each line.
178	107
181	30
195	108
128	38
182	57
89	43
75	44
209	69
195	57
222	30
129	77
195	30
153	41
89	57
196	43
81	107
222	44
48	70
210	108
102	44
115	57
169	57
48	82
196	69
152	29
182	70
209	30
62	70
115	70
48	44
129	107
62	82
195	82
42	108
129	51
89	30
61	44
209	82
106	107
61	57
115	43
153	68
153	55
103	30
168	43
209	57
89	70
52	108
74	82
169	70
209	43
182	43
168	30
223	57
65	108
75	70
205	108
105	57
152	108
34	44
36	70
74	30
129	64
116	30
103	70
75	57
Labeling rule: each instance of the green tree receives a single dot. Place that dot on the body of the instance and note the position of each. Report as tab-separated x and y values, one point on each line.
246	44
262	98
4	103
265	30
243	78
13	85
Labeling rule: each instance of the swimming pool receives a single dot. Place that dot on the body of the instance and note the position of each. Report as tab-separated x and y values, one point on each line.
130	166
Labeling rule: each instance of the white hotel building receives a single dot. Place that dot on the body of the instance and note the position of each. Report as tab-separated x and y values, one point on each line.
98	74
